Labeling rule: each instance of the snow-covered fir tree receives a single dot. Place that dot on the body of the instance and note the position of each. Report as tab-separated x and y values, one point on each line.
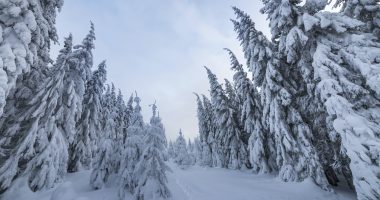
182	157
202	130
120	129
348	87
230	136
211	152
197	150
26	31
89	126
251	118
32	142
281	89
171	151
104	162
151	168
191	152
103	165
128	112
133	151
320	66
75	80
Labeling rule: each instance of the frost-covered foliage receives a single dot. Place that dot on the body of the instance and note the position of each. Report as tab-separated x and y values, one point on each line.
152	169
26	29
367	11
89	126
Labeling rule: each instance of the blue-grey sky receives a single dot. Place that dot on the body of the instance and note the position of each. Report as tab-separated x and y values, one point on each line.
159	48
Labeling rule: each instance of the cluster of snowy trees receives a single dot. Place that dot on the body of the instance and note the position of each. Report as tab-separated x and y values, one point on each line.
60	116
312	106
184	155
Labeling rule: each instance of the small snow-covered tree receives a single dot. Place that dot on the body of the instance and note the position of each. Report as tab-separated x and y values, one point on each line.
132	152
182	157
191	152
128	112
26	31
152	169
89	126
171	151
197	151
103	165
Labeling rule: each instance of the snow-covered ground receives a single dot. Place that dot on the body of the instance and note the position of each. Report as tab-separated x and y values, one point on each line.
195	183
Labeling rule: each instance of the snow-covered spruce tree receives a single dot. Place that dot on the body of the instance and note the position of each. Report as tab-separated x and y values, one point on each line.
197	150
291	40
89	126
182	157
32	143
128	112
26	30
132	152
121	128
211	150
151	168
251	118
344	58
282	88
104	162
103	165
202	130
229	137
191	152
171	151
75	80
347	84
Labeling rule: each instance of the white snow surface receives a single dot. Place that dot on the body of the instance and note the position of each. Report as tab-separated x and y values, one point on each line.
194	183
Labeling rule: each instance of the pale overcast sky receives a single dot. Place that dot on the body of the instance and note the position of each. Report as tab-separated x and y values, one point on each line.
159	48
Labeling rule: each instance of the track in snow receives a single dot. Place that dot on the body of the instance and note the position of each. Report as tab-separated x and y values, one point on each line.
197	183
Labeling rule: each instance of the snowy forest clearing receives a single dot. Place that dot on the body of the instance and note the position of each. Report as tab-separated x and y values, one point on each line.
195	183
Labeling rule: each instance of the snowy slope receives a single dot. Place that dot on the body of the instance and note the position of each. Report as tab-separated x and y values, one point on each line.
195	183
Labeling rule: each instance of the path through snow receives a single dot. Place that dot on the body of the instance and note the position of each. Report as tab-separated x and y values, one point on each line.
195	183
